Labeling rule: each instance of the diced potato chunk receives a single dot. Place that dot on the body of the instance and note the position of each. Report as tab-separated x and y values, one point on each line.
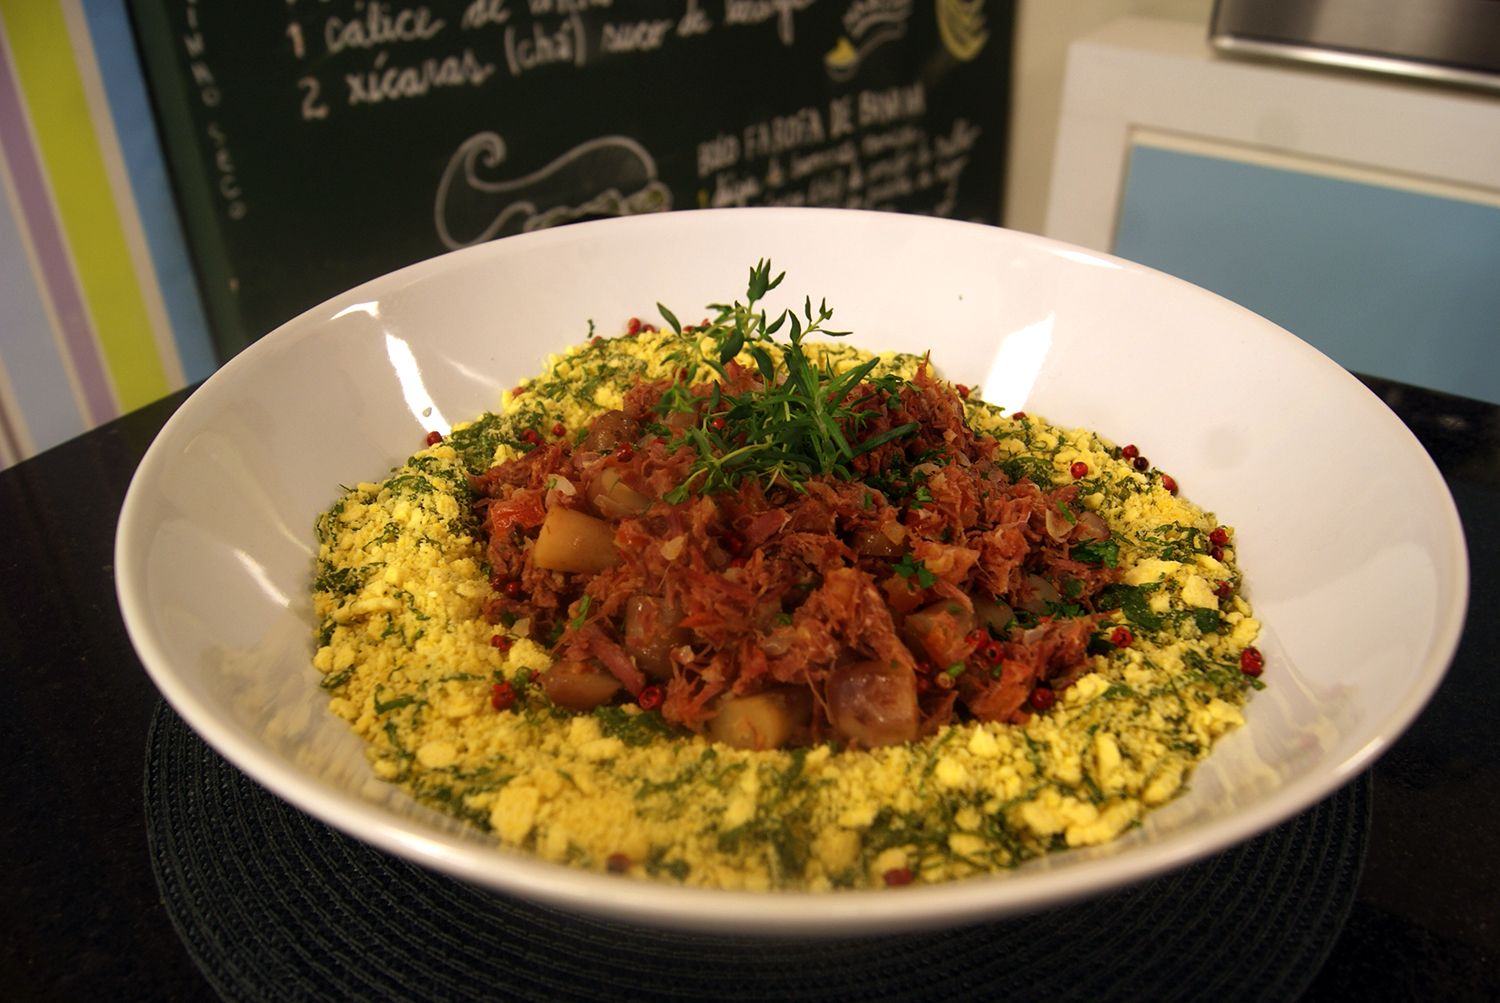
573	541
873	703
578	686
940	632
765	720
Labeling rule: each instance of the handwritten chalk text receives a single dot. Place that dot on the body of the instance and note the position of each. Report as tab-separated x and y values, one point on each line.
749	12
803	127
483	13
541	46
393	83
380	25
637	36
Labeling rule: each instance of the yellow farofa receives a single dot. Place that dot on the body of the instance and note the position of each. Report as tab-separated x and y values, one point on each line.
410	664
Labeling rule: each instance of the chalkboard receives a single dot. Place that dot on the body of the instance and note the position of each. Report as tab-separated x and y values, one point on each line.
314	144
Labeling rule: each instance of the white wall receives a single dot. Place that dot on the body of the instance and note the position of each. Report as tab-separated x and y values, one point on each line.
1359	211
1044	30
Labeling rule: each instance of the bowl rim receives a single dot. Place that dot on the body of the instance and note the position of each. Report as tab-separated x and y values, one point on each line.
839	912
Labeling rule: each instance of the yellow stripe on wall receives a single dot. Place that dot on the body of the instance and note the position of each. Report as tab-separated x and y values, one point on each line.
126	210
59	113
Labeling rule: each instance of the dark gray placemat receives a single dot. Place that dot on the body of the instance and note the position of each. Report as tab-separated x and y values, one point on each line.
274	905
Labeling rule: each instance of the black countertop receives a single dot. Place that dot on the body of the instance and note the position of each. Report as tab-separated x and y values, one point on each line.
83	918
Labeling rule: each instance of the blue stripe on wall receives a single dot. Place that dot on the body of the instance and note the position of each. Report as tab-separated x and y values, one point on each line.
1385	281
124	82
39	377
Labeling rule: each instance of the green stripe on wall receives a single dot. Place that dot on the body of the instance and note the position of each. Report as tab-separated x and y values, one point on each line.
45	64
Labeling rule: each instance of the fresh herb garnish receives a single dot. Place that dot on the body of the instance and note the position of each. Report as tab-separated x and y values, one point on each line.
385	706
1132	601
412	484
334	680
916	570
1172	541
1027	466
476	443
634	729
340	581
799	422
1106	552
1207	621
583	612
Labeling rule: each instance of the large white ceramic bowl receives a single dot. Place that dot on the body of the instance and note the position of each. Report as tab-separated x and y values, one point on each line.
1351	546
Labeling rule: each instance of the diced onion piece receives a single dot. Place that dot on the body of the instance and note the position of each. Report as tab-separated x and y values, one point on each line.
652	630
779	641
558	487
765	720
609	430
572	541
1092	527
614	499
873	703
578	686
887	540
993	614
1042	593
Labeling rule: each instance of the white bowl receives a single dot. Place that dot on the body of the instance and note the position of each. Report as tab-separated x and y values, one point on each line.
1350	543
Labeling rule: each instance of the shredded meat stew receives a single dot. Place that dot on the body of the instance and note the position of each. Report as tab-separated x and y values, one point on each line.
870	611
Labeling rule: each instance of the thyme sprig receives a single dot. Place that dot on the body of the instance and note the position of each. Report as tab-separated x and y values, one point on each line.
799	421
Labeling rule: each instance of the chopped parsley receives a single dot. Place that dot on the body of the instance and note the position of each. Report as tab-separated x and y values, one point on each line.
914	570
410	484
633	728
1106	552
1132	600
1029	467
339	581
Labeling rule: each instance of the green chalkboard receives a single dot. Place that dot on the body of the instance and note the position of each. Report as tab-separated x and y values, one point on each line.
315	144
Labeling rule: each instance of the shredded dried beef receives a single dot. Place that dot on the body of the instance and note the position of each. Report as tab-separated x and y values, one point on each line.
930	588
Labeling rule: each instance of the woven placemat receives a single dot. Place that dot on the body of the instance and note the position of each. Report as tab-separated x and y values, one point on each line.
274	905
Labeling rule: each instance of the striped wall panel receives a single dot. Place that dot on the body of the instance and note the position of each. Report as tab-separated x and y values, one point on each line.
99	312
